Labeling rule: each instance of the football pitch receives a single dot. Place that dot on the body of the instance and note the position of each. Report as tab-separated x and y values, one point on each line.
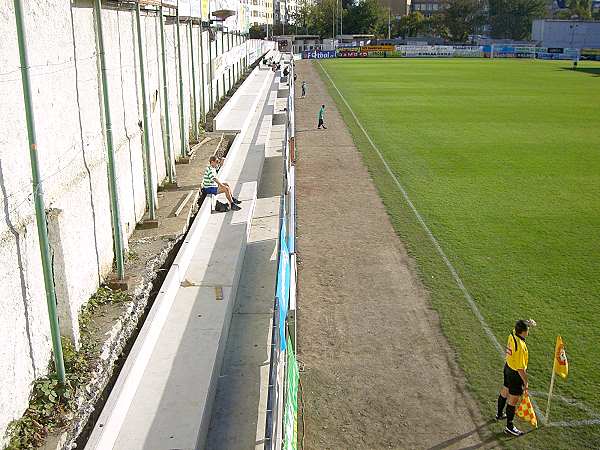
490	172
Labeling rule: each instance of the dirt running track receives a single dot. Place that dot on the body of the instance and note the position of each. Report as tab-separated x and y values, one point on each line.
378	372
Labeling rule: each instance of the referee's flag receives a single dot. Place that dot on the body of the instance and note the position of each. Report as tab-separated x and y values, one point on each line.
526	412
561	365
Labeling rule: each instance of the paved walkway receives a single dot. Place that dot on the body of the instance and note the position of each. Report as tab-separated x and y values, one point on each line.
378	372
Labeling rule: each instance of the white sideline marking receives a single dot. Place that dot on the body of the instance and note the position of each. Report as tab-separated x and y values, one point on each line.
436	244
453	271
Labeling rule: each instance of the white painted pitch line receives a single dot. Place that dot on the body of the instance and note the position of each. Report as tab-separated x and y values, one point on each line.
435	242
441	252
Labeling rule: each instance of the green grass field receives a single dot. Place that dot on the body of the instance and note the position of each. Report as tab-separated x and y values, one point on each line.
502	159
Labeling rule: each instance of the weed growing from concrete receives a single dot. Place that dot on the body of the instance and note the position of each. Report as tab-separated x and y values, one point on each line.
52	406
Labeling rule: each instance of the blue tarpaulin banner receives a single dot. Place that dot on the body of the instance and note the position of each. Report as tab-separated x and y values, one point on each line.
319	54
283	284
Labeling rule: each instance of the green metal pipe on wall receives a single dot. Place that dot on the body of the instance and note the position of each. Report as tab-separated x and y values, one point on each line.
229	46
168	150
222	52
38	197
146	130
210	72
182	131
202	91
112	176
194	117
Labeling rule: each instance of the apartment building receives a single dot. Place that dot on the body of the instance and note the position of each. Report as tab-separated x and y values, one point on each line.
397	8
261	11
428	7
285	10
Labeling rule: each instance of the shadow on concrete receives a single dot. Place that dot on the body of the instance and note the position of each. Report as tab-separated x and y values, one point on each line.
13	230
178	391
85	161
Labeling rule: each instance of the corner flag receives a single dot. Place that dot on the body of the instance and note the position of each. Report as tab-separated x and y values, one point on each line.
561	365
526	412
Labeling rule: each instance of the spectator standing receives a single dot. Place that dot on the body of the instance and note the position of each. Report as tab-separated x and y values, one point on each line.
303	89
322	118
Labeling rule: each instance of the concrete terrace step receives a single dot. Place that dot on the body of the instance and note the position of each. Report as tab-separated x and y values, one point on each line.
164	394
174	411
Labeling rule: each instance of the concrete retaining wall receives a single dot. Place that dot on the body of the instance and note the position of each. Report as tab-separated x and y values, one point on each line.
61	38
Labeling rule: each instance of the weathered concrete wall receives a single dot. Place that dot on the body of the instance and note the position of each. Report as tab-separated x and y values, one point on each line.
66	86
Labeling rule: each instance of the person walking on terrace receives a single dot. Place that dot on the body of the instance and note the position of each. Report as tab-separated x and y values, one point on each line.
515	375
212	185
322	118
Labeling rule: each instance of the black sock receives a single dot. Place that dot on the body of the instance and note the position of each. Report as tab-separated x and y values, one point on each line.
510	415
501	405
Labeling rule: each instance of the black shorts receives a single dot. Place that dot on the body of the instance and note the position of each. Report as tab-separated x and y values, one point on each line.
513	381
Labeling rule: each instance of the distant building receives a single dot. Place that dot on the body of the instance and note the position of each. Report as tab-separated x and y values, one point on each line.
354	40
428	7
566	33
397	8
261	12
284	11
299	43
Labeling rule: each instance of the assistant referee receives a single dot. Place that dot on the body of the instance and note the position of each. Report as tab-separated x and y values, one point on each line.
515	375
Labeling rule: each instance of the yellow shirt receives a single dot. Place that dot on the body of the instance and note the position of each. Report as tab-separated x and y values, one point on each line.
517	355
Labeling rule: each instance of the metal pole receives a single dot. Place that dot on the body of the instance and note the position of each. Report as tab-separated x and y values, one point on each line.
550	393
210	71
202	81
341	18
149	187
182	132
222	52
168	153
112	178
194	117
38	197
229	36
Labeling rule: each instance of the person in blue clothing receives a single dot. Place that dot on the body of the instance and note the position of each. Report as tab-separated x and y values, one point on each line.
322	118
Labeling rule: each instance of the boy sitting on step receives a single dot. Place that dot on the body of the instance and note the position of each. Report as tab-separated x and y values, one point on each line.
212	185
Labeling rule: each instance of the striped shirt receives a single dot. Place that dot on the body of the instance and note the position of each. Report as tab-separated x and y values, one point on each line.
210	176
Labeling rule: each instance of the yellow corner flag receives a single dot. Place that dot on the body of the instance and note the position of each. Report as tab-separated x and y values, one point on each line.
526	411
561	365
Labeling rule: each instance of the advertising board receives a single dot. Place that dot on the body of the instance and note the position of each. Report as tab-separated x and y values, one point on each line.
345	53
386	54
318	54
467	51
424	51
378	48
590	53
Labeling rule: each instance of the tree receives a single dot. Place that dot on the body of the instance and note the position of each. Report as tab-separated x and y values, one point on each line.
410	25
256	32
436	26
463	17
366	17
512	19
580	9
